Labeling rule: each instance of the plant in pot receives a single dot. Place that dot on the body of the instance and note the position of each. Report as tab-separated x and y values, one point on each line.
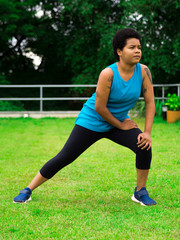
173	104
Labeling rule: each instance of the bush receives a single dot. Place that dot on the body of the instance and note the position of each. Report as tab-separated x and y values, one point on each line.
11	106
173	102
158	107
139	108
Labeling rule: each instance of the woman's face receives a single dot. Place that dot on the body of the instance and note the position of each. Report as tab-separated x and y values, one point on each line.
131	53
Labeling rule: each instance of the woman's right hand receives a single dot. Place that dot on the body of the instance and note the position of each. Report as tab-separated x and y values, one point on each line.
128	124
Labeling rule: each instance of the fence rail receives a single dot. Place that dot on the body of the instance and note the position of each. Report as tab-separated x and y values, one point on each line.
41	87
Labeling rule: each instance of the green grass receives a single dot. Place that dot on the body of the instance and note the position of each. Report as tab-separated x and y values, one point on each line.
90	198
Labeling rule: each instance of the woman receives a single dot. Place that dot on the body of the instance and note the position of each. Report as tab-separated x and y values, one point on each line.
105	115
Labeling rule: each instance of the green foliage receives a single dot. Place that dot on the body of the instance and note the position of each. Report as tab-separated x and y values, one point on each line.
11	106
155	20
139	108
158	107
173	102
8	105
3	80
74	39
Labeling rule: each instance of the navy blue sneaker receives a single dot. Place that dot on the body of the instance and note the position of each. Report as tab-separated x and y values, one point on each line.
24	196
142	197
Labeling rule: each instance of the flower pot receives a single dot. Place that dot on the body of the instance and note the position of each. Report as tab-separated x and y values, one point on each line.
173	116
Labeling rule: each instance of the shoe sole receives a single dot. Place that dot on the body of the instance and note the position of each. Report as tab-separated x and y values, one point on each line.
135	200
29	199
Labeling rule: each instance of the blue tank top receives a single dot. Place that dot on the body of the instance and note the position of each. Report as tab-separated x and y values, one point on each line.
123	96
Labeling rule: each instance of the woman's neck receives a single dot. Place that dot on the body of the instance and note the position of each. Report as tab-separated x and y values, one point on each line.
126	68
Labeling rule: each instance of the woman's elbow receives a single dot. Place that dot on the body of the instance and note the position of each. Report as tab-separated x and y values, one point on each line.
97	108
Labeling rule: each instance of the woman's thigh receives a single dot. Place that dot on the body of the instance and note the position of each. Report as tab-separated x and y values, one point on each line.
79	140
126	138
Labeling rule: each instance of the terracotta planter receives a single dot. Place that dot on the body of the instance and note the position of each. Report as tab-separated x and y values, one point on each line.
173	116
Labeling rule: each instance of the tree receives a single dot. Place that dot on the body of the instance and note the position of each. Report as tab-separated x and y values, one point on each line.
74	38
88	30
159	24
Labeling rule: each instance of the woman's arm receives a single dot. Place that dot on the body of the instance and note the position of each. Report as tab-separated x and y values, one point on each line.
102	94
144	139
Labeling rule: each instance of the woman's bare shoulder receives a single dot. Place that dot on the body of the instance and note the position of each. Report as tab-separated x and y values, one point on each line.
106	73
144	69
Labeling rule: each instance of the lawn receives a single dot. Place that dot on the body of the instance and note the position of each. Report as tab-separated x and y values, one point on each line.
90	198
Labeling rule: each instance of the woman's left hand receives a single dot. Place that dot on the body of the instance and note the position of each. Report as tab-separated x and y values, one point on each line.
144	141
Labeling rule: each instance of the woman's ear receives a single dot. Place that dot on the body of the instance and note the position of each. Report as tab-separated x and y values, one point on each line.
119	52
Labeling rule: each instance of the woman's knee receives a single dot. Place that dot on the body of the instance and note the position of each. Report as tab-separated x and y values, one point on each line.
143	158
55	164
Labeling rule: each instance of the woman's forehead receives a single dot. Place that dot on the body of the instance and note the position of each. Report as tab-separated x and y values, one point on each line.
133	41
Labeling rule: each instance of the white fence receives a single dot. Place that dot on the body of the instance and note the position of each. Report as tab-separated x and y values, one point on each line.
42	87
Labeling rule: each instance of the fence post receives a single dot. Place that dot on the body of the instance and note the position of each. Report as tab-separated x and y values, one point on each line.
41	98
162	93
178	90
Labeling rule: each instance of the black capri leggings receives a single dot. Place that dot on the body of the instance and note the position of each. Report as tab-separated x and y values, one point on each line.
81	138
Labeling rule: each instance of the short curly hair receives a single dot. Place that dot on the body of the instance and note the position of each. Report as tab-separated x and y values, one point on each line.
119	40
